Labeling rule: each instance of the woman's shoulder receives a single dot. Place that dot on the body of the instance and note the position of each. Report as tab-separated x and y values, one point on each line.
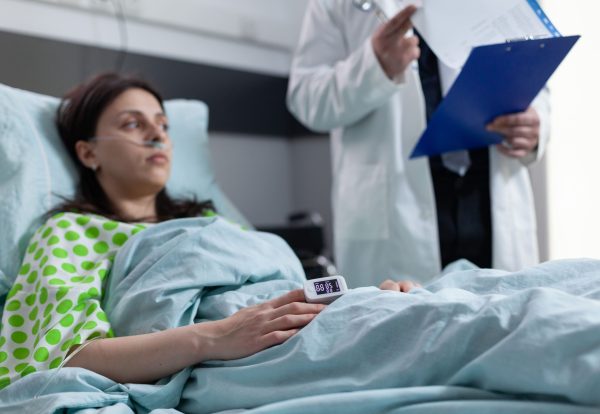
67	219
92	224
80	237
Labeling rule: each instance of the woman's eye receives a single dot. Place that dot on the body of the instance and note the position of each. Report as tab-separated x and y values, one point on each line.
131	125
165	127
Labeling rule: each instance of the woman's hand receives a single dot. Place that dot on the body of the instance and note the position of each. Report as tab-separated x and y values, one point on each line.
148	357
399	286
257	327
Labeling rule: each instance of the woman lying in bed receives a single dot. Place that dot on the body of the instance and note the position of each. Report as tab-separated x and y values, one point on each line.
116	131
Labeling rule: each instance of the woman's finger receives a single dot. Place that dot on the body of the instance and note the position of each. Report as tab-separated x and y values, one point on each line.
405	286
277	337
297	308
296	295
288	322
389	285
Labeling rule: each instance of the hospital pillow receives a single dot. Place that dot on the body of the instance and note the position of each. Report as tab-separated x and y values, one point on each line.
35	168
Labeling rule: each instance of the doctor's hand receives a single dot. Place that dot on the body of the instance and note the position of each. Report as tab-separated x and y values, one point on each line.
257	327
521	132
393	49
404	286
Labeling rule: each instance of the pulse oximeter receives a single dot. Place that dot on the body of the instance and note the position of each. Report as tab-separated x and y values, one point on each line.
325	289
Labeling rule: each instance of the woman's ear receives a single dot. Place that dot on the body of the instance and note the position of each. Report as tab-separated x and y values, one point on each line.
85	153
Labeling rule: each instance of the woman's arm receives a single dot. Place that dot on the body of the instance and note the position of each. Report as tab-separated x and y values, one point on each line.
149	357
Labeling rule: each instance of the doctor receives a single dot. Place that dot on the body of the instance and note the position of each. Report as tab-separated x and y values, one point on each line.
373	86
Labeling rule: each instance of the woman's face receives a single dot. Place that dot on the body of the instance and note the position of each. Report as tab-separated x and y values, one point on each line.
126	165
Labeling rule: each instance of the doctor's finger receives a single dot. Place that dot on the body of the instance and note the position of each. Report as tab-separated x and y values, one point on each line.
400	23
399	33
528	118
517	143
518	131
408	44
518	153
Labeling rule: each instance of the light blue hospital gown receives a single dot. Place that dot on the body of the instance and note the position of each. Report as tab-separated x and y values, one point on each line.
55	301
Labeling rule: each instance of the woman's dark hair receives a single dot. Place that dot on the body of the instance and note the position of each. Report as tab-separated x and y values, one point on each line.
77	118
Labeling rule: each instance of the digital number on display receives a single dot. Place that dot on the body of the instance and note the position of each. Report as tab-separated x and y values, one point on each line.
327	286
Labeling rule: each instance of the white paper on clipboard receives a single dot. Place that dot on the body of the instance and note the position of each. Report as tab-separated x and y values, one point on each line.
453	28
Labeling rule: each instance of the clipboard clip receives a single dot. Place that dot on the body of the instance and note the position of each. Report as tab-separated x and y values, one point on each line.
524	38
527	37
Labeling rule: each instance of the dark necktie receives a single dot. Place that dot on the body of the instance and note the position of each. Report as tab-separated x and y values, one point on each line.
462	202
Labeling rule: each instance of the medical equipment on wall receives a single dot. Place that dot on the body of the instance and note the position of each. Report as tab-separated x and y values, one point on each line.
325	289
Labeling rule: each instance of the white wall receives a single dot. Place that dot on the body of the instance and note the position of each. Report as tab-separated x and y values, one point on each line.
573	164
255	172
265	22
311	178
255	35
268	22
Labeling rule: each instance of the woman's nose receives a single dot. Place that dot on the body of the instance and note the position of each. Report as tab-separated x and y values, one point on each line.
158	138
158	133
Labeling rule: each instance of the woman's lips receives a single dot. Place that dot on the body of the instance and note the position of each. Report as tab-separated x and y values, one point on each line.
158	159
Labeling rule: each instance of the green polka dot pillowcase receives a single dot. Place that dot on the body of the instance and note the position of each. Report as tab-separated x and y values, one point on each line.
54	303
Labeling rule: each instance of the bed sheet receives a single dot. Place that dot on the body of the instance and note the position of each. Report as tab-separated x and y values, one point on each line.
472	341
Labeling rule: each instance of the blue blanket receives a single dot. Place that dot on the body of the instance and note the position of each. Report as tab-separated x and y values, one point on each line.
474	341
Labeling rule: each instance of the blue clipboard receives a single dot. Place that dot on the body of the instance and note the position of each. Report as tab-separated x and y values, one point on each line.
496	80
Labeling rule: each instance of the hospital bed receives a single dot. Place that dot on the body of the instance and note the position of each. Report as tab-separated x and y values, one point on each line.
36	172
473	342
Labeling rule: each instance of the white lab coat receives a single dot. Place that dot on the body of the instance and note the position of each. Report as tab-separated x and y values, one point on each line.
385	221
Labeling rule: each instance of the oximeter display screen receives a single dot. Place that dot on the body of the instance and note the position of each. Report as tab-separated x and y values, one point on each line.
327	286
